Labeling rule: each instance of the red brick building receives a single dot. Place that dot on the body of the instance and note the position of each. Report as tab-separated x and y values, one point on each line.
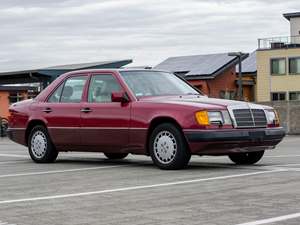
12	94
213	74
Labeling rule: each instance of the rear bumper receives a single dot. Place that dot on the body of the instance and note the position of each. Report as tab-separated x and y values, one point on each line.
233	140
17	135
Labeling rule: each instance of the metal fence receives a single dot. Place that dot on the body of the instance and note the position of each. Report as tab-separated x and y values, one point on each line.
279	42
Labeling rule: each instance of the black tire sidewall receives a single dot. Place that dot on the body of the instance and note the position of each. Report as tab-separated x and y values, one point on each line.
246	158
51	153
182	155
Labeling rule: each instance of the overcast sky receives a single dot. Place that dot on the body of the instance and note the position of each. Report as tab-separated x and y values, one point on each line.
39	33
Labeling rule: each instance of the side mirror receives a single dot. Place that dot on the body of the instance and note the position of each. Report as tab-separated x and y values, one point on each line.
119	97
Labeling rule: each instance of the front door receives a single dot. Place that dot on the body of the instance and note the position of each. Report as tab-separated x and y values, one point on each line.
62	112
104	124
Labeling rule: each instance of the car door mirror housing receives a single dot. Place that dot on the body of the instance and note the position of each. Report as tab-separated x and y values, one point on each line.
119	97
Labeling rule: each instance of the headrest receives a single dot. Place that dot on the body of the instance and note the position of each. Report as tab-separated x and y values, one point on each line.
68	91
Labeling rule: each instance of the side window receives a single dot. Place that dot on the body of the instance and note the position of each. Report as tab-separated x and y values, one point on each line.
278	96
294	96
73	89
101	87
56	94
294	65
227	94
278	66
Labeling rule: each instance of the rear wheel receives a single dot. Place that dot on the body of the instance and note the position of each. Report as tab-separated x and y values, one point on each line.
168	147
40	146
116	155
246	158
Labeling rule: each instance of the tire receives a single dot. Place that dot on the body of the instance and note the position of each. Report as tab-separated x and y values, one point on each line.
246	158
40	146
116	155
168	148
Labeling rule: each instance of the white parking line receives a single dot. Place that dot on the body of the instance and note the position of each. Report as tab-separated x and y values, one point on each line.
14	155
12	162
6	223
59	171
135	187
272	220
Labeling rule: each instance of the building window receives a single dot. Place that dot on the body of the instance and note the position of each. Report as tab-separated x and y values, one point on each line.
294	65
15	97
228	95
278	96
278	66
294	96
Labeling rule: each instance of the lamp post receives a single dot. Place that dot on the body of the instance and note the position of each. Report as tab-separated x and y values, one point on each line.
240	56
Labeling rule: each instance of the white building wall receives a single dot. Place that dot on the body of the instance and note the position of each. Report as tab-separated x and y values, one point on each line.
295	29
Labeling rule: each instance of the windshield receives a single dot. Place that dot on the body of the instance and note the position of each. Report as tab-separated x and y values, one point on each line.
154	83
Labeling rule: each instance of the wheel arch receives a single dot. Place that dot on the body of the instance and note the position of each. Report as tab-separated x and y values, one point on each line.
31	125
160	120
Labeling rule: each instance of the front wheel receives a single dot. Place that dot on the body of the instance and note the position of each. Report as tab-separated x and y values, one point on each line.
40	146
168	147
248	158
116	155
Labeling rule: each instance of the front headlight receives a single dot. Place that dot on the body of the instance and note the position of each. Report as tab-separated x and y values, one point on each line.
272	117
213	117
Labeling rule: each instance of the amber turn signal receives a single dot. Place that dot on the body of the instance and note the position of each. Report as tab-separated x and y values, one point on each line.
202	118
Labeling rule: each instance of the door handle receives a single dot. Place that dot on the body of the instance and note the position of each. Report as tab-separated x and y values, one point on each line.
86	110
47	110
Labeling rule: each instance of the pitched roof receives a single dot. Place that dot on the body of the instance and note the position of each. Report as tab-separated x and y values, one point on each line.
205	66
249	64
50	73
115	63
288	16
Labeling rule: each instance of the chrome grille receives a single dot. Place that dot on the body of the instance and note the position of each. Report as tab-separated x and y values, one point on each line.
250	117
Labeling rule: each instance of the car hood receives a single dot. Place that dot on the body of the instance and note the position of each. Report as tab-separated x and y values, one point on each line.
202	101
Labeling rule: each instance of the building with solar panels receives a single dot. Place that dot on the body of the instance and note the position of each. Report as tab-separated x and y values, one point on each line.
213	74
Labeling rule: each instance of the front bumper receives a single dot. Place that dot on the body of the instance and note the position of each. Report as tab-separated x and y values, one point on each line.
233	140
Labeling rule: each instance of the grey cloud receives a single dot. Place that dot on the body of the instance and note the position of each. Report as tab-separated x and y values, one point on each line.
37	33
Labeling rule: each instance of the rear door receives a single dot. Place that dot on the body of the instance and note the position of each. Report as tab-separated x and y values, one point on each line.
62	112
104	124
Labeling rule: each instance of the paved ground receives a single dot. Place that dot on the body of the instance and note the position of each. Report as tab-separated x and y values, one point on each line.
88	189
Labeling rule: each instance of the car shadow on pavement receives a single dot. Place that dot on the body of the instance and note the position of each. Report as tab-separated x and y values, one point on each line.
147	164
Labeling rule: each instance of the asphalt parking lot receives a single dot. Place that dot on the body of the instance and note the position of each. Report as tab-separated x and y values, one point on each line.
86	188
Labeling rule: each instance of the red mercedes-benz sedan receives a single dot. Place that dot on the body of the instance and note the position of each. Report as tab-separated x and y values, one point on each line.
148	112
